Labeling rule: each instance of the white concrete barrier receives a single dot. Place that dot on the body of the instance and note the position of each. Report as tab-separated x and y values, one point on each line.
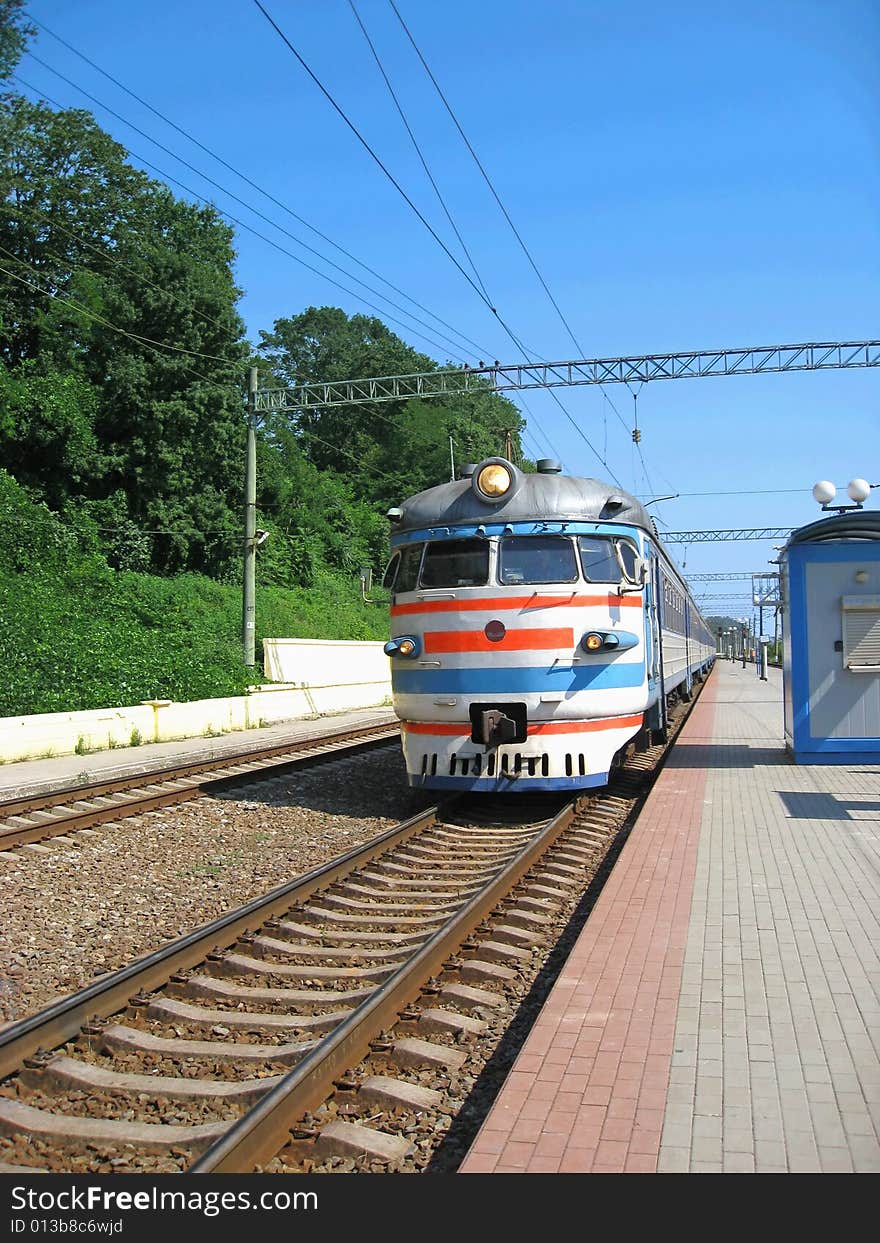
313	677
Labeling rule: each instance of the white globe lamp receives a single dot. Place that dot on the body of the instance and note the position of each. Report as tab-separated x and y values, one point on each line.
858	490
824	492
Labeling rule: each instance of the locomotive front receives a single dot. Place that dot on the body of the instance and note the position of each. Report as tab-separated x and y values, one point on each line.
519	648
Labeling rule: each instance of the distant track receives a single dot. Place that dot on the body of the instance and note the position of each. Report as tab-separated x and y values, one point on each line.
30	820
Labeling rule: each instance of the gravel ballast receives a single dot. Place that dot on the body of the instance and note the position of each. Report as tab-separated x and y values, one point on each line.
72	913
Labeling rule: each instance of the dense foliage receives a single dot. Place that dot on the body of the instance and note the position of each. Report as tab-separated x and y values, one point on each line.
75	633
123	366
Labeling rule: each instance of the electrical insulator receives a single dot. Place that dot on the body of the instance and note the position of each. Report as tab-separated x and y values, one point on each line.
637	435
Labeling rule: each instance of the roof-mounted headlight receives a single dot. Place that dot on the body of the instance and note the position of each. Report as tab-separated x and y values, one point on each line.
493	479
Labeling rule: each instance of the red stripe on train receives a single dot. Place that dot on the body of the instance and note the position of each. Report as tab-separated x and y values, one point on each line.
585	727
494	604
438	728
513	641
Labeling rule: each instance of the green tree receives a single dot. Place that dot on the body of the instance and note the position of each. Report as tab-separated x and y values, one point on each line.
123	348
15	31
390	449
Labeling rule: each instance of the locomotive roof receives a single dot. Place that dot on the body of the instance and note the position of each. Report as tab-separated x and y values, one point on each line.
542	496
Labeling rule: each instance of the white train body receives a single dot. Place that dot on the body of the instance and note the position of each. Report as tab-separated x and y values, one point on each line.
536	628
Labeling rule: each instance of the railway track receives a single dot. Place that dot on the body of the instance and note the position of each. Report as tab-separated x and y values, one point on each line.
345	1020
36	818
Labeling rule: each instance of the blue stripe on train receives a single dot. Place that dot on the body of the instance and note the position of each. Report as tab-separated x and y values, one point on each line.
517	681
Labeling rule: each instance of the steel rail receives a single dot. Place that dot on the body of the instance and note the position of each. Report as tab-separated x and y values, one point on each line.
62	1021
301	753
264	1130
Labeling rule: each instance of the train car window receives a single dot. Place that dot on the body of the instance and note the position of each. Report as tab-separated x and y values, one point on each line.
456	563
408	568
537	559
598	559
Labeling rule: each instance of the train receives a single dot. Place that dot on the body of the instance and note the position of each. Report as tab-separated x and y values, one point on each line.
539	629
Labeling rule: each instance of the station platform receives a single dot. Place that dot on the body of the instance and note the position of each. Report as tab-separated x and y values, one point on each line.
720	1011
31	777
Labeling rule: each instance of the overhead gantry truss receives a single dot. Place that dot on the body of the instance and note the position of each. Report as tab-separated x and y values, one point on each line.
634	369
717	578
710	537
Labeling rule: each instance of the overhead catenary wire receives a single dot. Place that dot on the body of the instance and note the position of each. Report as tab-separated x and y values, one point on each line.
106	254
505	326
499	201
243	224
188	190
155	346
261	190
418	150
146	340
373	155
249	207
438	193
274	224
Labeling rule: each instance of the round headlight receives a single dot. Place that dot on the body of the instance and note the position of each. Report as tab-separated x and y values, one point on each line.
406	647
592	642
494	479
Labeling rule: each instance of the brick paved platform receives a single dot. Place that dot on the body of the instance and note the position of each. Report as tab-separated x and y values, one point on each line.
720	1011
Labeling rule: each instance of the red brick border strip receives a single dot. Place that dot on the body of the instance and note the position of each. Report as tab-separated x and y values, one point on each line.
587	1093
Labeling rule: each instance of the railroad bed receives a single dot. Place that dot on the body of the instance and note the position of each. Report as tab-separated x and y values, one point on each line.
356	1005
36	818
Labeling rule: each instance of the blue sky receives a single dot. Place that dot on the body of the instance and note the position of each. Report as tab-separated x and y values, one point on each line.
686	176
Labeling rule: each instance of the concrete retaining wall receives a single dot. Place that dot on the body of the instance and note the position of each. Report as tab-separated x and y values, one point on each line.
322	676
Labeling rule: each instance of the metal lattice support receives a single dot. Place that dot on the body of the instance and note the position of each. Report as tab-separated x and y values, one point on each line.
744	596
635	369
710	537
716	578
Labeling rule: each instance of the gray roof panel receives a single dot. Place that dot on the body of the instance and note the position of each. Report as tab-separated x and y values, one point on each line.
534	497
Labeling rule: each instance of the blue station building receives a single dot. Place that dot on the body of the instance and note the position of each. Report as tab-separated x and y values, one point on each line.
830	595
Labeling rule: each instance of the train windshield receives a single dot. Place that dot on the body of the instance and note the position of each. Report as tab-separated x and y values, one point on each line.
537	559
607	561
456	563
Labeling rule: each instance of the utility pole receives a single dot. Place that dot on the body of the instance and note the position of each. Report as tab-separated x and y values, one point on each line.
250	524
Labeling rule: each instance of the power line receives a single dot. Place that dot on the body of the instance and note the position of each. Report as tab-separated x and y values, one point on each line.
105	254
483	296
261	215
418	149
398	187
241	223
498	200
155	346
146	340
438	193
748	492
266	194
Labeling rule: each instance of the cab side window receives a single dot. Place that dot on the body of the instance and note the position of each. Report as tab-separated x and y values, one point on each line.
391	572
629	560
408	568
598	560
